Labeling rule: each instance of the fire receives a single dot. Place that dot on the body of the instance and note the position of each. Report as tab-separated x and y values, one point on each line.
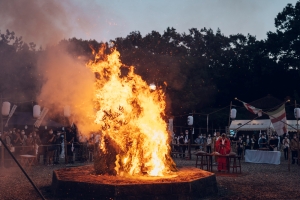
130	114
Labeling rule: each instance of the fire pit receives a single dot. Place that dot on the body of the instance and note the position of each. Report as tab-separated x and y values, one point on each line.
83	183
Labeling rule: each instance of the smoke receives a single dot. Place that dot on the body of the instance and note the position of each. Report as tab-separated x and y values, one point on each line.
42	22
67	82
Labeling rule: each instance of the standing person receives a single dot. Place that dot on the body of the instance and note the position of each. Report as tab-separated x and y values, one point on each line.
240	146
29	146
186	140
23	141
294	149
37	143
50	147
198	141
181	145
57	148
208	144
70	137
223	148
262	142
204	141
272	144
286	146
16	141
254	143
247	143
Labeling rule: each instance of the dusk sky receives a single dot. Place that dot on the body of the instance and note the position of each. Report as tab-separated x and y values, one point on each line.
117	18
50	21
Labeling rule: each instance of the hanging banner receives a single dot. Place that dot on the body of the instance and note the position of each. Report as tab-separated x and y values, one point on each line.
41	117
11	114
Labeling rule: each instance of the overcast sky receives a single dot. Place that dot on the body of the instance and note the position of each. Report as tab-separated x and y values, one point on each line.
43	21
117	18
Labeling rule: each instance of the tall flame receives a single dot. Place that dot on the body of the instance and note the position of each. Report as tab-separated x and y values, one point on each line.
130	114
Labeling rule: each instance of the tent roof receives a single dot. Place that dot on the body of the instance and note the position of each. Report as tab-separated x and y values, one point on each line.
292	123
26	118
254	125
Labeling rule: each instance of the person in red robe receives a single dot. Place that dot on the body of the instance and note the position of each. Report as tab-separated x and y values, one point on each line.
223	148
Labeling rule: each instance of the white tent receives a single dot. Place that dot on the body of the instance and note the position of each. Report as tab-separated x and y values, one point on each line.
292	123
254	125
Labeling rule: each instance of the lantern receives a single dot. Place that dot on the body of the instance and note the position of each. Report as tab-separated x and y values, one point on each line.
152	86
36	111
233	113
26	127
190	120
5	108
297	113
45	127
67	111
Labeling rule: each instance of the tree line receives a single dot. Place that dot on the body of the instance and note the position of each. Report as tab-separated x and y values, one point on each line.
200	71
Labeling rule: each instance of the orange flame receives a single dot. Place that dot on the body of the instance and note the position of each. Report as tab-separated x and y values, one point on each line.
130	113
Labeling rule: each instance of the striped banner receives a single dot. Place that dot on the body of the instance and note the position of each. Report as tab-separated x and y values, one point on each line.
11	114
278	119
41	117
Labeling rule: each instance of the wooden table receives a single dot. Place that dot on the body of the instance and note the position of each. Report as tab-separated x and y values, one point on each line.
27	160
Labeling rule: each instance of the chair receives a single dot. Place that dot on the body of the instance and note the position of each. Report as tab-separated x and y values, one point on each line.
236	163
204	161
27	160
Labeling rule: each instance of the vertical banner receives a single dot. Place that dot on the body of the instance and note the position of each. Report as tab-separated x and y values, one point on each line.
11	114
41	117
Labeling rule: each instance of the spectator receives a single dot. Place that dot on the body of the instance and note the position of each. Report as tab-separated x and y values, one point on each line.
286	146
247	142
16	141
29	145
294	149
277	143
204	143
262	142
208	144
254	143
70	137
198	141
57	148
50	147
272	144
23	141
240	146
182	147
37	143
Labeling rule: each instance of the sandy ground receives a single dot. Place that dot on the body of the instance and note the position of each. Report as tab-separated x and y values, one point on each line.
257	181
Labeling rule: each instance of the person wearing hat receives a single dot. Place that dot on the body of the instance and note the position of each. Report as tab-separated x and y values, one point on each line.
223	148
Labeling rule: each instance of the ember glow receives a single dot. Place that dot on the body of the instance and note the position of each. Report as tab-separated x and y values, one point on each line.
130	114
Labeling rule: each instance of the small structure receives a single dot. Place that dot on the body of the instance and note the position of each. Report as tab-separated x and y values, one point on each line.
254	125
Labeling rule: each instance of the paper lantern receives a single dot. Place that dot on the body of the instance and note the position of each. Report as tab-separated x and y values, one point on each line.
190	120
36	111
5	108
233	113
297	113
67	111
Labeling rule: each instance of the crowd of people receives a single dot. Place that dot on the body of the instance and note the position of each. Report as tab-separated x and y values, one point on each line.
224	144
49	145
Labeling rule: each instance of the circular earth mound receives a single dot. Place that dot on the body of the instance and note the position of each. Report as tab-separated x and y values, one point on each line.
83	183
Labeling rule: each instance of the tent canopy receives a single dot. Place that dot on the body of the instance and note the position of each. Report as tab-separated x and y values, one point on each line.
254	125
292	123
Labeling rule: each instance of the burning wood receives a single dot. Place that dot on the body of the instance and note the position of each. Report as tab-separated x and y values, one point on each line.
135	140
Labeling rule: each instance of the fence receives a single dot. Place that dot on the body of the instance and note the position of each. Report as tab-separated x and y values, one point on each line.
44	154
